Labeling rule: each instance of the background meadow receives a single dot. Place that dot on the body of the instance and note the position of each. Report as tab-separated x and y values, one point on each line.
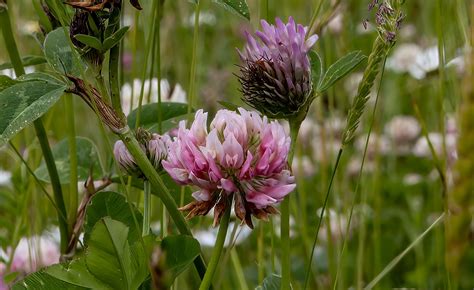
373	215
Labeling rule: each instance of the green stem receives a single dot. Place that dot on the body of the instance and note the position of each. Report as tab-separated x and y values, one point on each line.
295	125
114	58
148	49
71	136
356	191
163	193
313	18
216	253
308	270
192	74
398	258
15	58
146	208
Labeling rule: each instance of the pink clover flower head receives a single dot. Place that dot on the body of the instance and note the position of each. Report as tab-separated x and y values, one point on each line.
241	155
276	74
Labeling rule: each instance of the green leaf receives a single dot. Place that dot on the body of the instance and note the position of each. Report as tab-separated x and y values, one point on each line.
6	82
87	158
339	69
238	7
60	55
108	255
10	277
149	113
38	76
229	105
316	68
114	39
43	281
23	103
89	41
75	273
180	252
28	60
114	205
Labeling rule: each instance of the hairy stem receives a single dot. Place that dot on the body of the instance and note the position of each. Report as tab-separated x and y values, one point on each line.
216	253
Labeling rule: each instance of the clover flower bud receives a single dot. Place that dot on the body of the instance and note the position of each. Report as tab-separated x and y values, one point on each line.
276	74
125	159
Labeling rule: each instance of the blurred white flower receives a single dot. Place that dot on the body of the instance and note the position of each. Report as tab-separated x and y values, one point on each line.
366	28
425	62
168	93
412	179
29	27
352	83
11	73
377	145
411	58
422	148
5	178
403	131
34	253
205	18
303	166
404	57
334	126
325	149
336	24
208	237
451	125
337	225
353	167
407	31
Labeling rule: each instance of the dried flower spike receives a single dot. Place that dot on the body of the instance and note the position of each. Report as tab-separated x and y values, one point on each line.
276	74
243	156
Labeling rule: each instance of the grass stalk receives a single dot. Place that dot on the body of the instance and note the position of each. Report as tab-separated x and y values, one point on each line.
398	258
73	180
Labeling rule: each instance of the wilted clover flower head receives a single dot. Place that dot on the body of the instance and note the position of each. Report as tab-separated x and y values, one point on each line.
241	156
276	74
154	145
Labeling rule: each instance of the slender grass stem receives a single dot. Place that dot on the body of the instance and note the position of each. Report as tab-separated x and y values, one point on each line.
398	258
71	136
321	216
146	208
148	49
192	74
15	58
314	17
238	270
216	253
